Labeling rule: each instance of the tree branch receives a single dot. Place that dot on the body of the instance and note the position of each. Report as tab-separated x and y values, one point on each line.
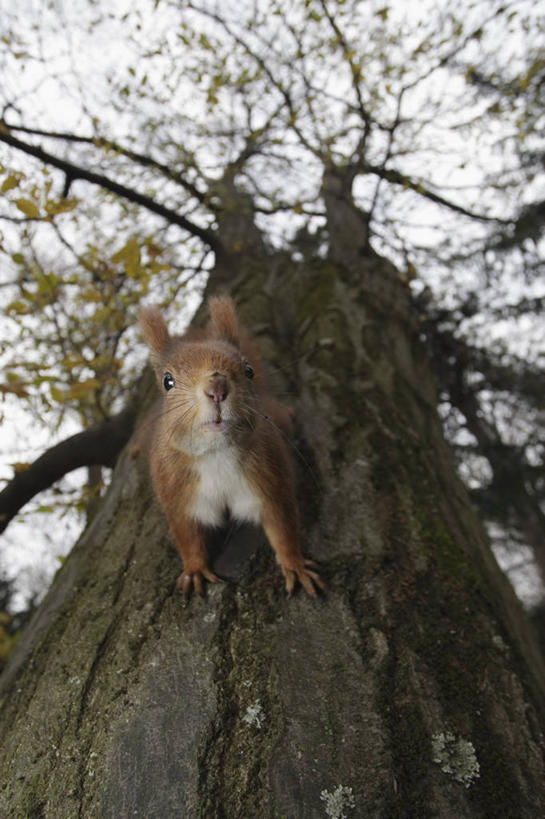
355	72
77	172
397	178
100	444
110	145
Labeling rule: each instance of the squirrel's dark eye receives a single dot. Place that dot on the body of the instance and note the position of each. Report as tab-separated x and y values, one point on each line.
168	381
248	371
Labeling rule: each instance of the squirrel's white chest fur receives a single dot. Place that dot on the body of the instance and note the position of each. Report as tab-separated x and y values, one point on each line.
222	486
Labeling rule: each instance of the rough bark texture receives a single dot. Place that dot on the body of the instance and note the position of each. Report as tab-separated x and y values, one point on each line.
122	702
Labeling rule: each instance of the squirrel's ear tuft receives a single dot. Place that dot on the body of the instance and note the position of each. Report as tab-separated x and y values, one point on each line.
224	321
154	329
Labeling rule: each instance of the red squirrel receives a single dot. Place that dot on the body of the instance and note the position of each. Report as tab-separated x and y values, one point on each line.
219	444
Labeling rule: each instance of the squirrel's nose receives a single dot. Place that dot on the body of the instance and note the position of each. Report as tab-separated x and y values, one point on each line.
217	388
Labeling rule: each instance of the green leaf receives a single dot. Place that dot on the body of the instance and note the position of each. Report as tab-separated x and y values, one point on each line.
19	308
129	256
83	389
57	394
9	183
63	206
28	207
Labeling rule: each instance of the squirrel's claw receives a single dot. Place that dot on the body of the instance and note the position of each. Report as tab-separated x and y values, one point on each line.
188	581
310	581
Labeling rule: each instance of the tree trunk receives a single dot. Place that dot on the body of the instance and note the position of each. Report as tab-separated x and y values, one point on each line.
413	689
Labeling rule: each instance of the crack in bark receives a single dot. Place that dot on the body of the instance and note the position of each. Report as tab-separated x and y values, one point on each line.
136	649
212	756
101	649
102	646
235	754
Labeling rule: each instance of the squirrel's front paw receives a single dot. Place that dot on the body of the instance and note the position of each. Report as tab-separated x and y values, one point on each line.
193	579
309	580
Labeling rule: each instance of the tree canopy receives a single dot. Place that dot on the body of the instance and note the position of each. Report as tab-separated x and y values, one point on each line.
127	129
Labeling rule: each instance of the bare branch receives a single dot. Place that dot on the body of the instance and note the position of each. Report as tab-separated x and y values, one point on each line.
397	178
77	172
100	444
109	145
355	72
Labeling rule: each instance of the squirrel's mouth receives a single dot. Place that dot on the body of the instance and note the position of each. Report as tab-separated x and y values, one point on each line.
218	423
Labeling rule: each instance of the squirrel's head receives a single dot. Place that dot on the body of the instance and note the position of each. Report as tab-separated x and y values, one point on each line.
206	380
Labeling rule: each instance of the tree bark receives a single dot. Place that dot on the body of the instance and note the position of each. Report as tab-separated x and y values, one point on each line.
412	689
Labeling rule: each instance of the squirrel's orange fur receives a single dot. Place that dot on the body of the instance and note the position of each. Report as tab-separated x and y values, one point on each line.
219	446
